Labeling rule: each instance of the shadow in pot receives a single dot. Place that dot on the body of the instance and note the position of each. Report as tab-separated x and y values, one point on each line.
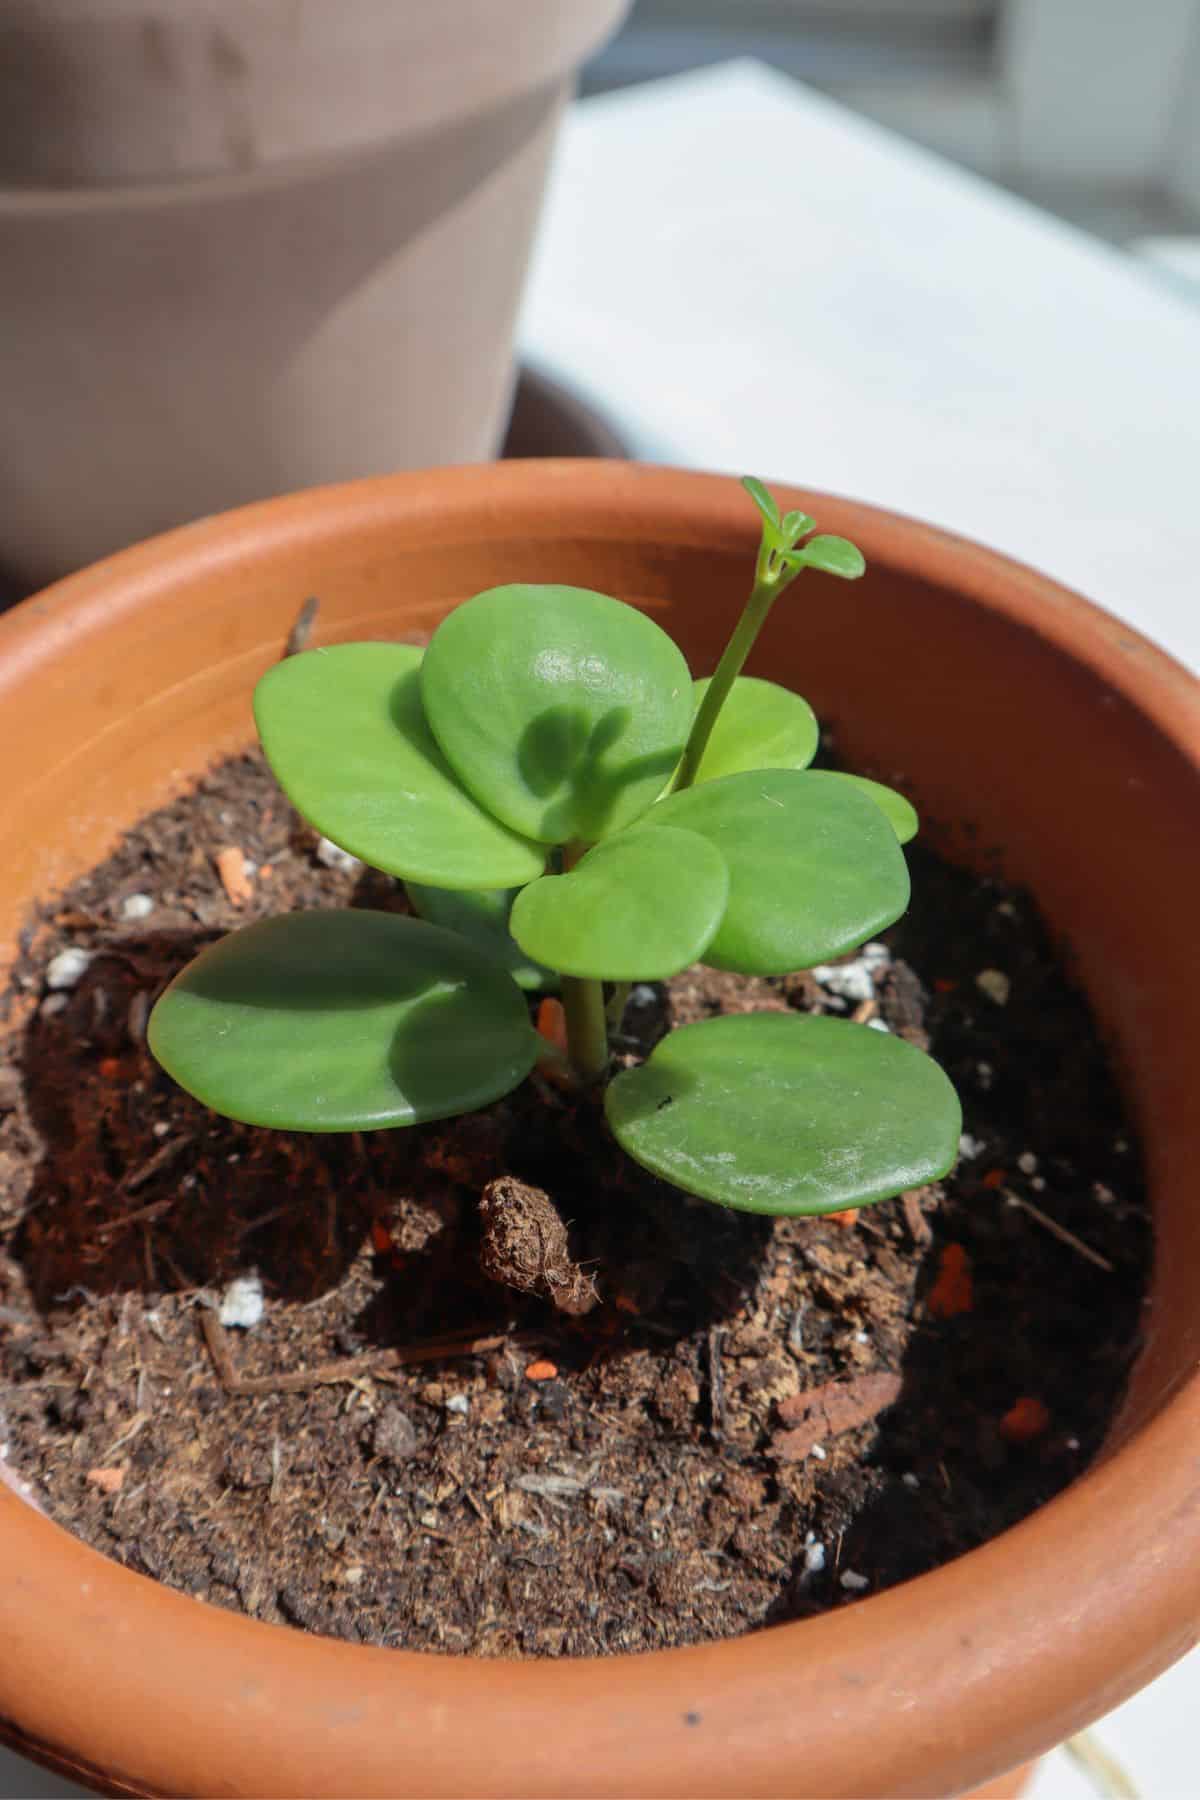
140	1187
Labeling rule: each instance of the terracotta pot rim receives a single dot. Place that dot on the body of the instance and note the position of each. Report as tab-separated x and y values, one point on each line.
24	204
78	199
1087	631
1148	1491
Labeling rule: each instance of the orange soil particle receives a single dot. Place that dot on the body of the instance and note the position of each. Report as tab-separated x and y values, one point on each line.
952	1292
235	878
1025	1420
542	1370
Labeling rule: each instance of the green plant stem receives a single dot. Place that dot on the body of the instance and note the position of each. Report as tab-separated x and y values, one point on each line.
587	1027
618	1000
770	579
583	1007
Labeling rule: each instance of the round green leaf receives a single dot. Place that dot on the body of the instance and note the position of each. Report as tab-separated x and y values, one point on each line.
814	866
832	555
787	1113
482	917
344	732
760	726
639	907
562	711
343	1021
900	813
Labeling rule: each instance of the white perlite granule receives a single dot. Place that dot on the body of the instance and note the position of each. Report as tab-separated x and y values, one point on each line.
242	1302
65	969
334	857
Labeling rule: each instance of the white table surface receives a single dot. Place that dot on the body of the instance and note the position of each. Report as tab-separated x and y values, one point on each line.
747	277
750	278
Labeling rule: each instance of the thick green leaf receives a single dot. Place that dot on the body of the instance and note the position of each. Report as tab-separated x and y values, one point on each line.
832	555
764	499
814	866
901	813
344	732
482	917
787	1113
638	907
562	711
794	525
343	1021
760	726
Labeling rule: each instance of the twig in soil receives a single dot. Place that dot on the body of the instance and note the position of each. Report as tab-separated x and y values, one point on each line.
141	1217
148	1258
130	1432
1060	1232
716	1381
477	1508
297	638
166	1153
267	1218
186	1284
346	1368
870	1229
919	1228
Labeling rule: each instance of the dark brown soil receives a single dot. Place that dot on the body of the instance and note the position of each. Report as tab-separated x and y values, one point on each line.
681	1423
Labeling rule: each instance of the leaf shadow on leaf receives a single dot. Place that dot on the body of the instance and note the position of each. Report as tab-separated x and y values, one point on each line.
408	716
329	987
426	1048
558	755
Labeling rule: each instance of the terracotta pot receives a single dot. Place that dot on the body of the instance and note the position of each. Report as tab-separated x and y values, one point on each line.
250	245
1039	731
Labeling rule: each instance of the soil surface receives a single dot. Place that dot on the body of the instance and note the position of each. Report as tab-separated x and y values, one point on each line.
508	1394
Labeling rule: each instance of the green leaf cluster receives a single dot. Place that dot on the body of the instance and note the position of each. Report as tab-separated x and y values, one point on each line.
526	777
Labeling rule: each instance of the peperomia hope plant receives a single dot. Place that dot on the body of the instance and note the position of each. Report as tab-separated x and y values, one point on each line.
568	807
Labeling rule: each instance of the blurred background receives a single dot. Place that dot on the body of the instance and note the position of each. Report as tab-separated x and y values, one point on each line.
1090	108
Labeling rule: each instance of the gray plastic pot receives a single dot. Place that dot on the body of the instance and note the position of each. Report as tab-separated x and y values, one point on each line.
252	245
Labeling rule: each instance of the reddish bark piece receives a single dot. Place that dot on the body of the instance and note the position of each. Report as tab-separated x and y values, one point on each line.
552	1026
847	1220
541	1371
994	1178
552	1023
231	867
919	1228
109	1481
828	1411
953	1292
1026	1419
